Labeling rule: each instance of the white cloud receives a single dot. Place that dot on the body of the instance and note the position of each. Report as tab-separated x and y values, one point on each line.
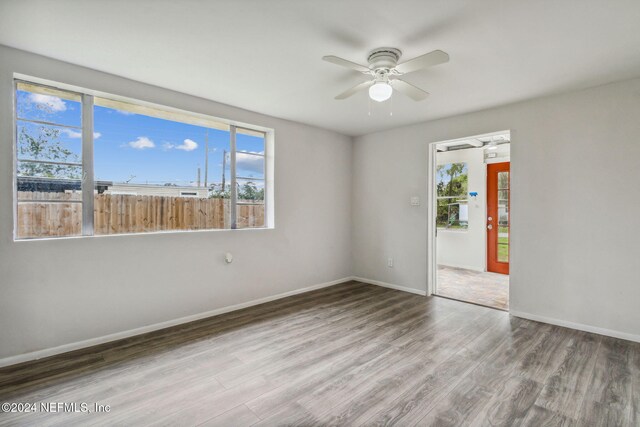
72	133
187	145
75	134
141	143
168	146
52	103
249	163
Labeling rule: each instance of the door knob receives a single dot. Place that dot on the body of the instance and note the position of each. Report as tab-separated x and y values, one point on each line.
490	219
490	227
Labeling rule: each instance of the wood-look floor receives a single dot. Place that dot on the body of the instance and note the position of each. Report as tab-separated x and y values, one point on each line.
484	288
348	355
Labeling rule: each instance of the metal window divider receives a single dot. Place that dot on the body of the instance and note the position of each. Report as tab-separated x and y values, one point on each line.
87	166
234	189
15	159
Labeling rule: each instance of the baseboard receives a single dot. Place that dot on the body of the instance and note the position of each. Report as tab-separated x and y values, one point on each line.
39	354
464	267
578	326
390	285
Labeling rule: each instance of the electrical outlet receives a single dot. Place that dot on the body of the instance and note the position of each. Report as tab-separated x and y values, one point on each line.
390	262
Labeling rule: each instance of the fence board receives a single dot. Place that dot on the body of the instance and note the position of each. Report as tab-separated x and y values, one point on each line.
118	213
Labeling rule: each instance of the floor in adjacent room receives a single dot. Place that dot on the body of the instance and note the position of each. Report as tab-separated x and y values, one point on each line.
351	354
484	288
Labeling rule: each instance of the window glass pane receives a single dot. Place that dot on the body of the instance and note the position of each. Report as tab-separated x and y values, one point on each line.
249	166
48	171
451	180
50	105
221	187
451	188
48	192
503	180
154	174
250	209
38	220
38	188
48	143
503	252
126	213
250	216
503	207
249	141
503	217
250	191
452	213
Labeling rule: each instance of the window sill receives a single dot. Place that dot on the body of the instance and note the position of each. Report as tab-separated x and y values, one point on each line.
150	233
450	230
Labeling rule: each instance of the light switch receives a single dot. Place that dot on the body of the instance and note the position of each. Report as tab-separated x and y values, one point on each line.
415	201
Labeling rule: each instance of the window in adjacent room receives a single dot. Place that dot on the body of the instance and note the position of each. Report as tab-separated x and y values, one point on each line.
451	186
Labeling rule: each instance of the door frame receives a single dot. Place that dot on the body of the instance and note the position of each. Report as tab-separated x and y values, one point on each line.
432	260
432	247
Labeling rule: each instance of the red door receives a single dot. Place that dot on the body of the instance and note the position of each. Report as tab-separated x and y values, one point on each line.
498	192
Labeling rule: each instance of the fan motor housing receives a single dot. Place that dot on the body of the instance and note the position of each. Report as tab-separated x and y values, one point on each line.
384	58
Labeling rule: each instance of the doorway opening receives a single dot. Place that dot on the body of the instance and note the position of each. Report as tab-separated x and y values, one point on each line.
470	219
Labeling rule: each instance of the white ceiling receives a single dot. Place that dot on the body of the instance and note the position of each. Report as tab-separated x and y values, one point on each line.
265	55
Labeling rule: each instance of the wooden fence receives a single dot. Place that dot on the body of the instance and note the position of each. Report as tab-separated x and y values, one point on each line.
117	214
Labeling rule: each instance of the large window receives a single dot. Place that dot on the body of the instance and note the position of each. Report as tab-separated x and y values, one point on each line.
90	165
451	187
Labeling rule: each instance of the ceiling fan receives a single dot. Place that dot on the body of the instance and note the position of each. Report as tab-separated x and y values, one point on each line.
385	70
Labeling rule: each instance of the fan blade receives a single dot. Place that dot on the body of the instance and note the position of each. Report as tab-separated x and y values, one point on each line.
427	60
410	90
349	92
345	63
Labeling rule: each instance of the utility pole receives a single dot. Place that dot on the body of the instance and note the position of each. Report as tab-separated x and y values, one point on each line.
206	157
198	176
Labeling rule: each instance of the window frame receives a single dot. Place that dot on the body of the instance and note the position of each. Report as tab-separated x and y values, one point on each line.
87	179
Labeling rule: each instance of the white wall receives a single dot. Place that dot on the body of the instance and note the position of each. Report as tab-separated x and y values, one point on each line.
56	292
501	153
573	260
466	248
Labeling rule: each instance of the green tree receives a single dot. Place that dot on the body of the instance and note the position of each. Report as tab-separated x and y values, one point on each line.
455	176
217	192
452	184
46	146
250	191
246	191
455	186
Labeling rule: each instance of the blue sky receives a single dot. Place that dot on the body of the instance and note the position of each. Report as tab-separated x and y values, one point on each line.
142	149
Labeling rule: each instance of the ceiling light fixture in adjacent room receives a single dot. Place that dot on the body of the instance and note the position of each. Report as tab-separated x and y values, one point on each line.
491	146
